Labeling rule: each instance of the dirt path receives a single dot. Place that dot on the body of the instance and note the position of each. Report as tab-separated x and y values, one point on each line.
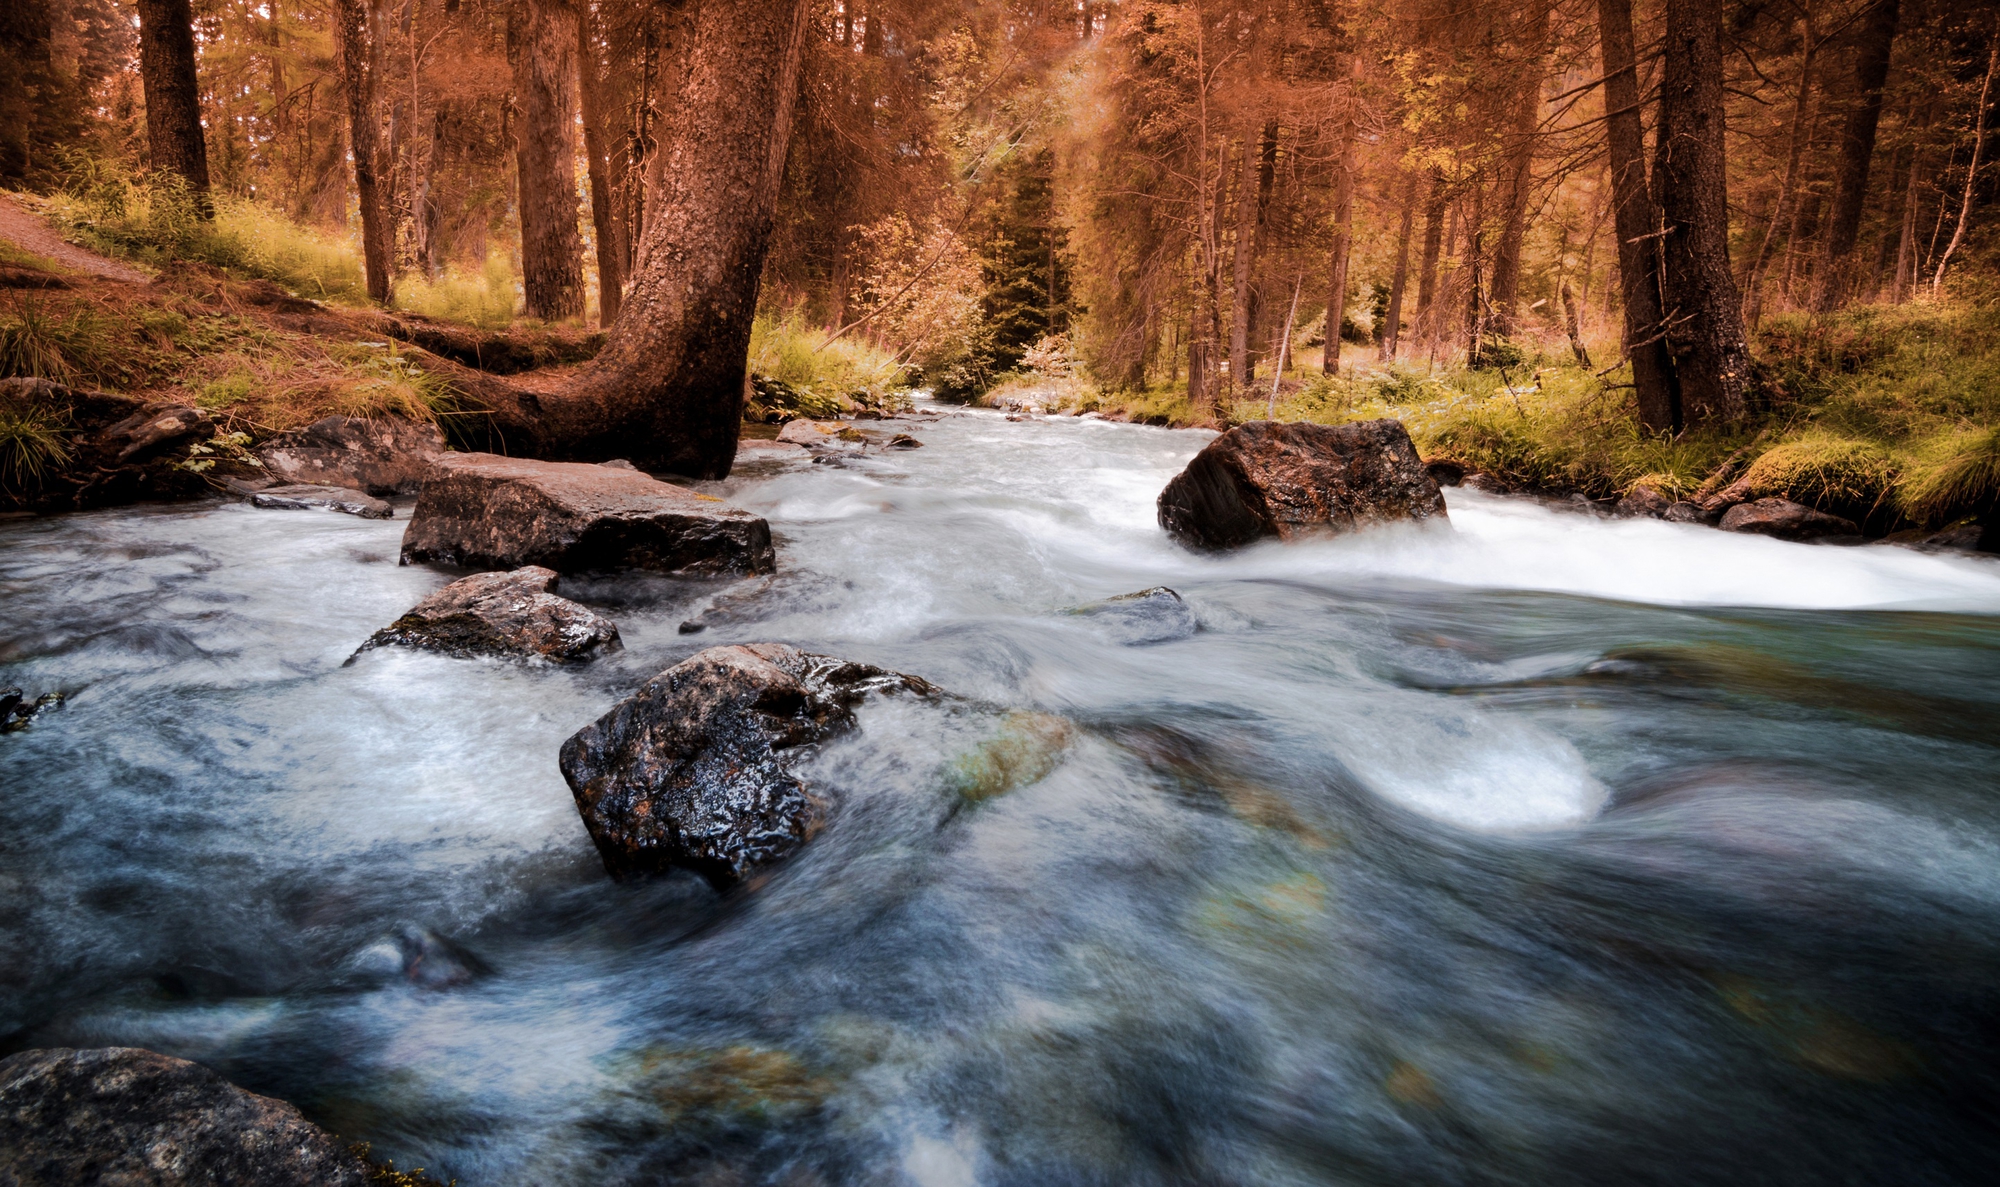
30	233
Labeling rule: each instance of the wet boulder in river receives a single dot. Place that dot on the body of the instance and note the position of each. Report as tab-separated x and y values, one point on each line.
120	1115
507	614
1154	615
482	511
382	456
1289	480
693	770
1786	520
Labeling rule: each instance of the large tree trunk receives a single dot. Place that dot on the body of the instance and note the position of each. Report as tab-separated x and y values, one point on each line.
351	30
1427	271
1343	223
1393	319
604	219
1632	215
1506	283
173	95
1877	36
667	390
541	41
1704	312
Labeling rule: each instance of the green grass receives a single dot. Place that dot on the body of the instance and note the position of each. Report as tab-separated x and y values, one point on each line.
829	379
486	299
33	441
73	342
20	257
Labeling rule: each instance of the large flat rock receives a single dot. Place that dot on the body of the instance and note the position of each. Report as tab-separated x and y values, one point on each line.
120	1115
1267	479
380	456
482	511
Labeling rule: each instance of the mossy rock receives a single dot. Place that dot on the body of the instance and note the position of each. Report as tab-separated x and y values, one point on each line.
1836	474
1024	750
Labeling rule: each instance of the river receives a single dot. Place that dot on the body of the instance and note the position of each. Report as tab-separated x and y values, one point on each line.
1541	848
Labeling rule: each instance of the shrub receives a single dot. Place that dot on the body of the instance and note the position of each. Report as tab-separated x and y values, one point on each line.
829	377
1965	480
70	343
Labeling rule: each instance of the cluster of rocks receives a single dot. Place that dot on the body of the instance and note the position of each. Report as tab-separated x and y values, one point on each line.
1732	509
830	440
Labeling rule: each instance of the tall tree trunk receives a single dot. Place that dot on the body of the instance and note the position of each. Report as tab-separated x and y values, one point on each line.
1704	312
1244	267
1343	221
1905	275
174	138
351	30
1972	171
1399	280
541	41
1574	324
1427	271
1877	36
1803	118
667	389
1633	218
1506	283
604	220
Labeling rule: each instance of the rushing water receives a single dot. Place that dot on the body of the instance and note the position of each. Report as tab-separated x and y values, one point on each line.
1537	849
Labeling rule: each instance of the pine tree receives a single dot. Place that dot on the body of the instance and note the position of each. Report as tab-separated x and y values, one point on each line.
1027	263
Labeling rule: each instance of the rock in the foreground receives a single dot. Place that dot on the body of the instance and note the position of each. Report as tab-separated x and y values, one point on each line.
483	511
506	614
120	1115
1786	520
380	456
321	498
691	770
1288	480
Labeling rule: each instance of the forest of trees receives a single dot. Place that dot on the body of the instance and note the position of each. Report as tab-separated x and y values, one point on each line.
1158	187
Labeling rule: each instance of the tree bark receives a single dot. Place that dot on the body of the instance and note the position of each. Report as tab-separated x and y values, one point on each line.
174	137
351	30
1877	36
1972	171
1397	282
1245	265
541	42
1574	324
1803	119
1343	224
1427	271
1635	223
604	219
1506	283
667	390
1704	313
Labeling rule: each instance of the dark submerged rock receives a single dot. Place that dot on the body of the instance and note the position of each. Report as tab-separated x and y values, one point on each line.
380	456
1287	480
1445	471
1154	615
692	770
120	1115
482	511
507	614
321	498
1786	520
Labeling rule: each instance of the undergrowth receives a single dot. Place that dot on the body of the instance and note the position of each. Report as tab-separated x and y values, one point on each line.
828	378
33	443
486	298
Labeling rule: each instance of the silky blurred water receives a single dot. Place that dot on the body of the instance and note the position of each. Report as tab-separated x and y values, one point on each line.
1538	848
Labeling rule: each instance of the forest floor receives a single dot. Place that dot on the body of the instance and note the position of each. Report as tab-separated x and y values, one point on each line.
38	240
